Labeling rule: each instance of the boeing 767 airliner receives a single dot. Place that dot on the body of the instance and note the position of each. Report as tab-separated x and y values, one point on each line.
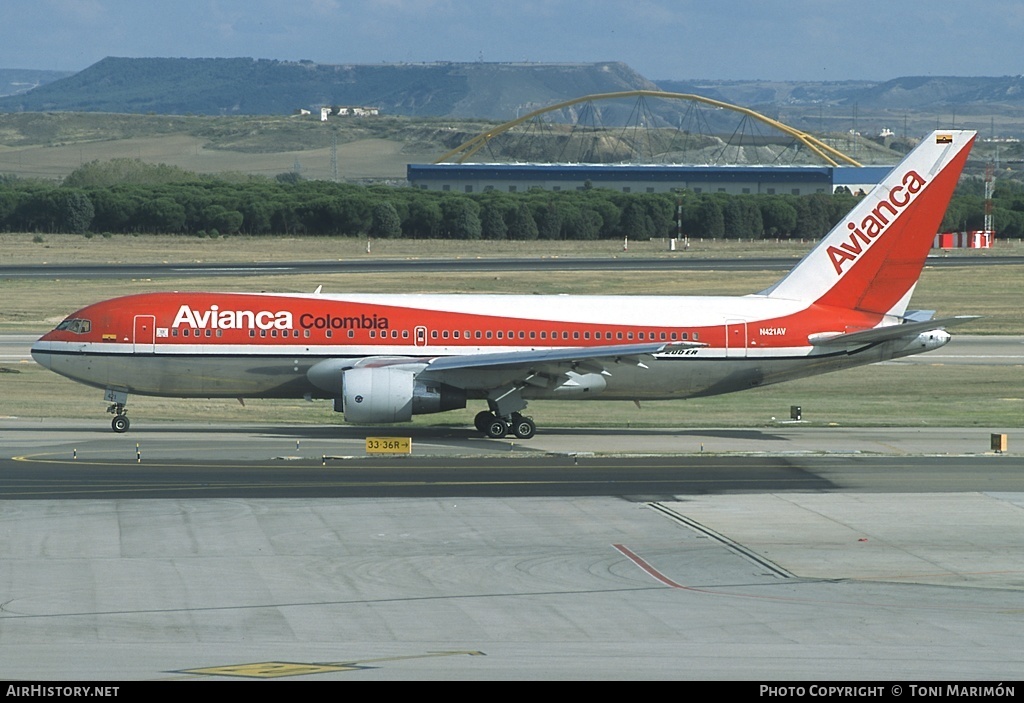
384	358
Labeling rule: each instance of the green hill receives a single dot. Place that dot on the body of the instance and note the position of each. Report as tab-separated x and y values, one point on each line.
218	115
503	91
246	86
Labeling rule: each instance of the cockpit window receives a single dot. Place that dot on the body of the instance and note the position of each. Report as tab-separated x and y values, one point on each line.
76	325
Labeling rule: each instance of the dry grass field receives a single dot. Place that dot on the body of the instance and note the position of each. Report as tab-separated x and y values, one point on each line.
376	159
21	249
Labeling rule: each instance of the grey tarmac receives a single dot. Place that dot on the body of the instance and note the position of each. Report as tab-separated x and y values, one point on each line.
868	575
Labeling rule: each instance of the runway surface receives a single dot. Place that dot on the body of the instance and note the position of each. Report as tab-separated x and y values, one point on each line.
82	459
182	461
219	552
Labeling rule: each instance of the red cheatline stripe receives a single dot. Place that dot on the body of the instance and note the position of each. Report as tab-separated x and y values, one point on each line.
625	551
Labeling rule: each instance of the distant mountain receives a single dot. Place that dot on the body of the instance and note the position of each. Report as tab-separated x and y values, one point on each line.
750	93
21	80
912	104
912	92
250	87
949	91
504	91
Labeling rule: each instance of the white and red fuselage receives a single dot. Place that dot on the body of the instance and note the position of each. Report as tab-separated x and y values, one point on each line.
385	357
260	345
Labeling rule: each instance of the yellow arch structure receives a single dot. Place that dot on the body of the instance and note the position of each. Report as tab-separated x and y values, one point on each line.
824	151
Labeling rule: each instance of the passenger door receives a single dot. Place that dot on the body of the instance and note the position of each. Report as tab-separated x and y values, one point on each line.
145	334
735	339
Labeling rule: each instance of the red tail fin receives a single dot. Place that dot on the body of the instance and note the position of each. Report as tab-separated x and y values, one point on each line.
872	259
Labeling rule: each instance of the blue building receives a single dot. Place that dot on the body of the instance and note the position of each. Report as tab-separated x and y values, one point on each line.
635	178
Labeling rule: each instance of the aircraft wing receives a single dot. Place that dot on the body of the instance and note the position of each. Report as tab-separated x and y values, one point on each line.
569	368
593	358
882	334
540	367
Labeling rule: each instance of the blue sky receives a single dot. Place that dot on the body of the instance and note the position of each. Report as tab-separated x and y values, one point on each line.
662	39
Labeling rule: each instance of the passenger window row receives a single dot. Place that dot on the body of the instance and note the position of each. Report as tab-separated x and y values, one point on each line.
533	335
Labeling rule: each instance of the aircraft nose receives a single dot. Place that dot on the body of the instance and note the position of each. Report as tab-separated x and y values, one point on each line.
41	353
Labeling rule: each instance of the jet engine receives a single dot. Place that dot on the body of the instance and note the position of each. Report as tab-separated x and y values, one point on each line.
391	394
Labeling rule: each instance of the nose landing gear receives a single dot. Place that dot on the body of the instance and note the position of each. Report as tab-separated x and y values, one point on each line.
120	422
118	400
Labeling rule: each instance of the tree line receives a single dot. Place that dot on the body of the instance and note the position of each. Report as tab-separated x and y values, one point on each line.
128	196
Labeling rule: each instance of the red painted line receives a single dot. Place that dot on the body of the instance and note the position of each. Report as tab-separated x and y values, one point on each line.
657	575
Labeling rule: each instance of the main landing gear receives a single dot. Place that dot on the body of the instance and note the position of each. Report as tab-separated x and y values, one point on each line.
497	427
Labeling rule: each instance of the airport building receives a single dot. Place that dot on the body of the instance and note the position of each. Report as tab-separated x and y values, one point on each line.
636	178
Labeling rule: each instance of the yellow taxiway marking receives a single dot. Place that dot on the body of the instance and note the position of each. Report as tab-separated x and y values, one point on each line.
271	670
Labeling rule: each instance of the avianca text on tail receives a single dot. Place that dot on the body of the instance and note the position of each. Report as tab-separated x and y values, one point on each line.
383	358
873	225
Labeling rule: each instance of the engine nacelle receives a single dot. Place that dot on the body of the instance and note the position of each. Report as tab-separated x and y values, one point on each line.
377	395
390	394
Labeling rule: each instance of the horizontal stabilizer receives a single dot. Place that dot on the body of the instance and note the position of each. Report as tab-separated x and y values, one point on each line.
918	315
882	334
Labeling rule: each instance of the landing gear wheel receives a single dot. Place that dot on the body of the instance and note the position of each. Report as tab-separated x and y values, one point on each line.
497	428
523	427
120	423
483	420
